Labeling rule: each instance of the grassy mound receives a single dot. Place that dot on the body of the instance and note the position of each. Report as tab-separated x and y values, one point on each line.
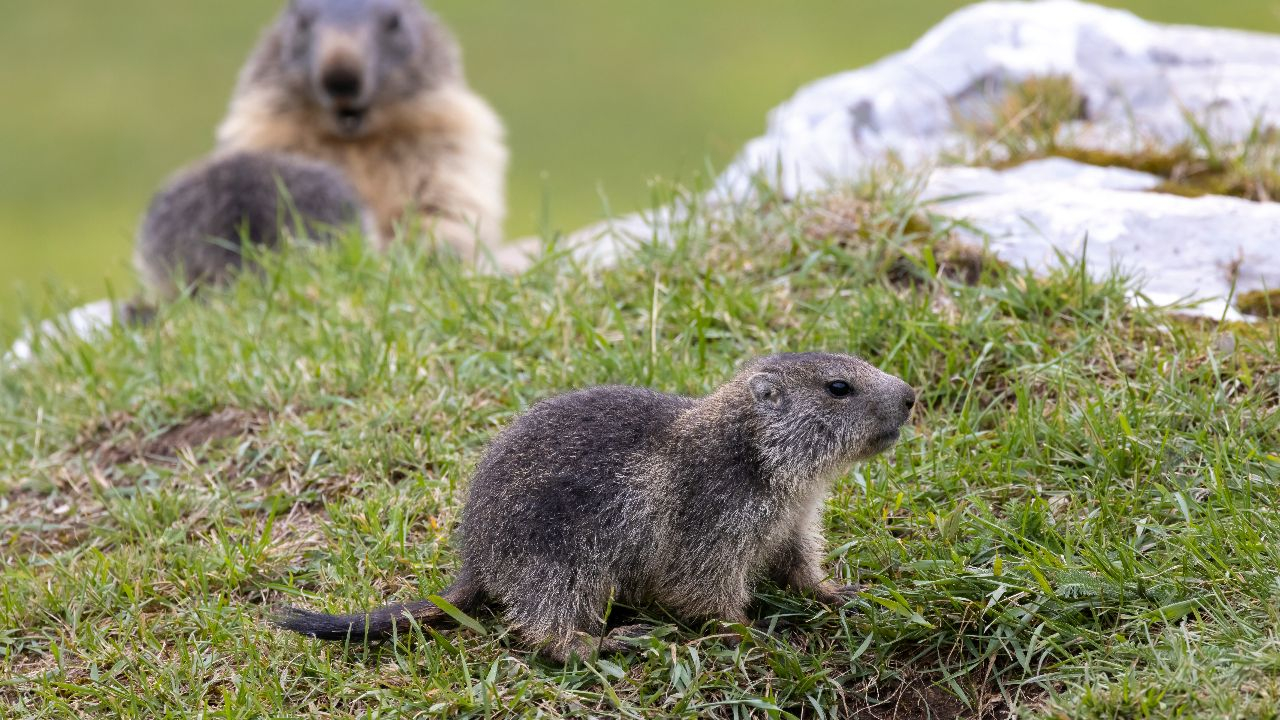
1082	521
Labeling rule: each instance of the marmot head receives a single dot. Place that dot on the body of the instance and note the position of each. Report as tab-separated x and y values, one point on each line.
816	413
353	59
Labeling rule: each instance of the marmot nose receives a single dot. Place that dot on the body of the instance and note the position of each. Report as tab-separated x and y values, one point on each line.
908	400
341	83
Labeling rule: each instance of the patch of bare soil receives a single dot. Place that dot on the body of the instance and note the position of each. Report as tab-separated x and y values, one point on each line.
49	517
195	432
29	667
916	696
59	510
918	701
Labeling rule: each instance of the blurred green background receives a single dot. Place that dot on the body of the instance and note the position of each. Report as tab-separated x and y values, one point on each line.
103	100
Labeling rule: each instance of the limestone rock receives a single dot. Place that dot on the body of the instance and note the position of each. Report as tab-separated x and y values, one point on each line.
1180	248
1140	81
83	321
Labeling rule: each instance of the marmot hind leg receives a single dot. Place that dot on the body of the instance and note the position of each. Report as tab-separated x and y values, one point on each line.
564	617
584	646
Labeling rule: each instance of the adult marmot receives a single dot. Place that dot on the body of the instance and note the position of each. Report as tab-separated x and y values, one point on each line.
376	88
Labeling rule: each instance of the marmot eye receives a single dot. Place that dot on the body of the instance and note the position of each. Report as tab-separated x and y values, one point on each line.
839	388
393	23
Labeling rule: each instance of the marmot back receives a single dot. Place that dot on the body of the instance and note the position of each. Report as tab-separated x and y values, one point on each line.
376	87
628	494
195	228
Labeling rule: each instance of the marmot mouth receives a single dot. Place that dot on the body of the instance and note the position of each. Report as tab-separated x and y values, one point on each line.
885	439
350	120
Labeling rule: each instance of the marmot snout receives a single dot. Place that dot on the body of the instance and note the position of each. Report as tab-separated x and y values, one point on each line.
629	494
352	60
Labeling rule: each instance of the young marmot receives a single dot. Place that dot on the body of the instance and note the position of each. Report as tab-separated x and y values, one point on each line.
194	231
626	493
376	87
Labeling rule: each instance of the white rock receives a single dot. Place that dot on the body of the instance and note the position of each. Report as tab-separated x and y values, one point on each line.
604	243
1180	248
83	322
1140	80
1050	170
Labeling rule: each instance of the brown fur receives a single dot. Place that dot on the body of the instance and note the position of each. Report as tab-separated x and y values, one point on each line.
429	148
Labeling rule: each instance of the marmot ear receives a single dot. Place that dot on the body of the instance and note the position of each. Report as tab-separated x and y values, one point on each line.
767	390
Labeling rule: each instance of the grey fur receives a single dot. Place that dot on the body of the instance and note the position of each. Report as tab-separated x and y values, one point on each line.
626	493
195	228
399	50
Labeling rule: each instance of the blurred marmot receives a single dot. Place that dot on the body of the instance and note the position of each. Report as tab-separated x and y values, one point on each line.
193	233
376	88
626	493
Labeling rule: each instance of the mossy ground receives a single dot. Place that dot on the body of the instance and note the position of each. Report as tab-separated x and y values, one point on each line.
1080	522
1031	121
1262	303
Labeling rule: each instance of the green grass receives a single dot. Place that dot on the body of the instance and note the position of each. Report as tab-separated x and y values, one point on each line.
599	97
1081	521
